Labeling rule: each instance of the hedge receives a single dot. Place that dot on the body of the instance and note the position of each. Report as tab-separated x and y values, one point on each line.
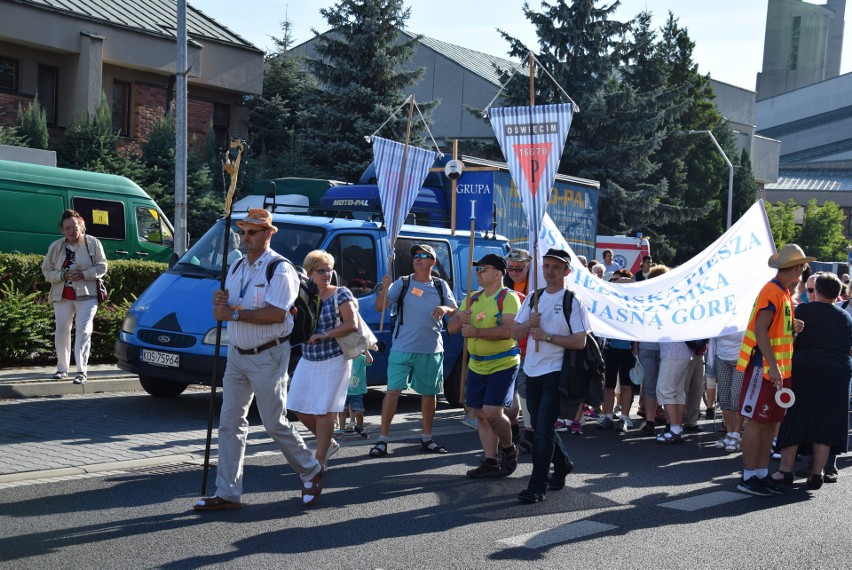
26	316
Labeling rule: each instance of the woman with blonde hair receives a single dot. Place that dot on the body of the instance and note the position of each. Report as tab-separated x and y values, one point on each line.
318	388
72	266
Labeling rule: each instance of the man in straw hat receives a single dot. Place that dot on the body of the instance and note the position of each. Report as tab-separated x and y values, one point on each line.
766	359
259	332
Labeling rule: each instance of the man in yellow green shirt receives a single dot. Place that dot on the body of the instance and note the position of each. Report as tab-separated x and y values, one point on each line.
485	319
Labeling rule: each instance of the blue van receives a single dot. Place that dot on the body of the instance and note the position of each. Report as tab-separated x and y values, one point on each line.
168	337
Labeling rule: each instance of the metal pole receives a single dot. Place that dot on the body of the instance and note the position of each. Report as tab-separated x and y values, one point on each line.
180	131
730	173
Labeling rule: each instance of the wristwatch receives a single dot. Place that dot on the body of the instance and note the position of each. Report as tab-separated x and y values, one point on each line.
235	315
549	338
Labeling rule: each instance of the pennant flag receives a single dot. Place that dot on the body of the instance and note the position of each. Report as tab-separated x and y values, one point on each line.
532	139
710	295
399	183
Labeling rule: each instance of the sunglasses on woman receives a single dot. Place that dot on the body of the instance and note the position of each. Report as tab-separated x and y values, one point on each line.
422	256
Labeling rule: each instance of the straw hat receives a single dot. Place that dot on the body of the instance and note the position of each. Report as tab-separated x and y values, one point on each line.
790	255
258	217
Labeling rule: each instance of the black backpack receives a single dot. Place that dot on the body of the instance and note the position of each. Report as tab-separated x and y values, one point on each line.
307	306
406	280
582	376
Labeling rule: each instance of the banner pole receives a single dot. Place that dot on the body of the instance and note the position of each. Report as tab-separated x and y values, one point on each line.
231	166
392	239
463	379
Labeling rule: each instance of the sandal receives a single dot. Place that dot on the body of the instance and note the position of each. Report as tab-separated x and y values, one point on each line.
311	489
380	449
786	477
215	503
669	438
432	447
735	445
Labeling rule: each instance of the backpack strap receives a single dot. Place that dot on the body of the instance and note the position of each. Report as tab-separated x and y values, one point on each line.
501	297
400	303
567	307
844	304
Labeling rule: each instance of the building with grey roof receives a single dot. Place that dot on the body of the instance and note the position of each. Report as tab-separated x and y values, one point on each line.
68	52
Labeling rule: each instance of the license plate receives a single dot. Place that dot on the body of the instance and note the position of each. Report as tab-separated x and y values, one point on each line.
158	358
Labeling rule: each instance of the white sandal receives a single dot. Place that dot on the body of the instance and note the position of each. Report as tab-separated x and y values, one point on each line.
734	445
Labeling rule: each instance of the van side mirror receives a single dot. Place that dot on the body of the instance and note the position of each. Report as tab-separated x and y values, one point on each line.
173	259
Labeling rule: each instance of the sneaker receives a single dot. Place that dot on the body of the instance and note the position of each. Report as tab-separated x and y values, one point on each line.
648	430
776	453
830	475
576	428
530	496
486	470
557	479
591	414
628	423
710	414
339	433
753	486
606	423
561	425
692	429
472	423
60	375
80	378
773	486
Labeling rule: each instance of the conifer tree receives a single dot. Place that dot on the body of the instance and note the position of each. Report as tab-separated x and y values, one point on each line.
32	125
360	84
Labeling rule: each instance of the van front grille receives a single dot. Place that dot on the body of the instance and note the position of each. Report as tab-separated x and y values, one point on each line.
162	338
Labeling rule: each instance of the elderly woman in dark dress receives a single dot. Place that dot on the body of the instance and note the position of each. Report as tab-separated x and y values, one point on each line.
822	368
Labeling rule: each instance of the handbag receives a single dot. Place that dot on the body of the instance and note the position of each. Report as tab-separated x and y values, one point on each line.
102	290
359	340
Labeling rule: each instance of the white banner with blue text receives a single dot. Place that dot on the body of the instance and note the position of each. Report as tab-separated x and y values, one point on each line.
710	295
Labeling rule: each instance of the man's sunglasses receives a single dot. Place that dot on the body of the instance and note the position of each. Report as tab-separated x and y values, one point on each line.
250	232
515	269
422	256
482	268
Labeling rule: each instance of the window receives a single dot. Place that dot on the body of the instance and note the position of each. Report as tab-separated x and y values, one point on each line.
150	226
121	108
48	91
355	262
104	218
403	264
8	74
795	36
221	120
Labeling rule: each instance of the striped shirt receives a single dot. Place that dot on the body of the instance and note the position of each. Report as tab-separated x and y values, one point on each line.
248	289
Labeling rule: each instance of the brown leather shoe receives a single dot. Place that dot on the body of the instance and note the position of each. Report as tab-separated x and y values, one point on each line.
215	503
312	489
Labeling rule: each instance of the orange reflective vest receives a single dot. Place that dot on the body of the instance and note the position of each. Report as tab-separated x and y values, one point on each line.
774	295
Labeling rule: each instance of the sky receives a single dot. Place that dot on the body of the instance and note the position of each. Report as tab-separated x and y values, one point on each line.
728	34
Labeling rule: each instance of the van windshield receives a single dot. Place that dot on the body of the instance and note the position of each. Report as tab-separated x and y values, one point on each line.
205	257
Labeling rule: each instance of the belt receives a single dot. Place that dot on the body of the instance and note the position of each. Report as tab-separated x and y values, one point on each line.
262	347
512	352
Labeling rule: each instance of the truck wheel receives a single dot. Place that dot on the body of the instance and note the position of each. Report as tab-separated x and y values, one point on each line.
161	388
453	388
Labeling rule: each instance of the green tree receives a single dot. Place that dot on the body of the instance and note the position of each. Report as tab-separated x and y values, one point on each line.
361	82
204	203
10	137
32	125
782	222
90	144
822	231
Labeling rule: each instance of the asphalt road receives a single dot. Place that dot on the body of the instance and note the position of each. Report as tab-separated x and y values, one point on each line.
631	503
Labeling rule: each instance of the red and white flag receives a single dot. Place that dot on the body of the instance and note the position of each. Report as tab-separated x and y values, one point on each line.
532	139
399	183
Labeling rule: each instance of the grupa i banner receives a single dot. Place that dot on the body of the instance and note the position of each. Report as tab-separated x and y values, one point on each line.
710	295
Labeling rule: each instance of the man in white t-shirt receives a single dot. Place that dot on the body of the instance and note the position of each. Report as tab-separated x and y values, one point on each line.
549	335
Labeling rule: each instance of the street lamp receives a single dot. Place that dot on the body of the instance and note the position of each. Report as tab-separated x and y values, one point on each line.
730	170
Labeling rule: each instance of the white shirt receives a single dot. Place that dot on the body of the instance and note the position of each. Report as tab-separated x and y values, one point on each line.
548	357
248	289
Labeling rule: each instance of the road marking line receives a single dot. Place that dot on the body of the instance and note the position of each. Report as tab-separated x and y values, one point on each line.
561	533
704	501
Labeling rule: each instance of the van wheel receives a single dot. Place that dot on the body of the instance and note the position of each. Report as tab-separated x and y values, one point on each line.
453	388
161	388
